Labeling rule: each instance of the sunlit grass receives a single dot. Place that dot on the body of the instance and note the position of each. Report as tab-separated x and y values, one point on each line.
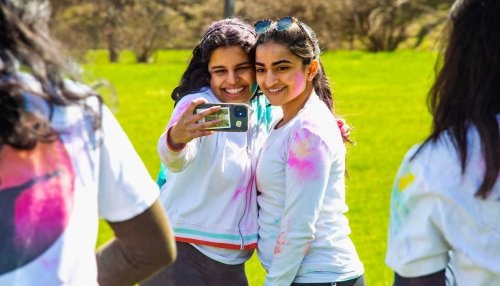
381	95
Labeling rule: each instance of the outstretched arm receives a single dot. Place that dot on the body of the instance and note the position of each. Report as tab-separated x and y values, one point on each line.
141	246
177	145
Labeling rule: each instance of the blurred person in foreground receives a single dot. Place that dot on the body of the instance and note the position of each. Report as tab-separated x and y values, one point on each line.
65	161
445	208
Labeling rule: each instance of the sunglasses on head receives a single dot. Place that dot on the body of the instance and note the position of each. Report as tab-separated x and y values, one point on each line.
282	24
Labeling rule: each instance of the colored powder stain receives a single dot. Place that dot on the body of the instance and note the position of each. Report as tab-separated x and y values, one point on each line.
302	156
405	181
41	194
306	168
237	193
42	205
179	111
300	83
244	189
302	146
278	249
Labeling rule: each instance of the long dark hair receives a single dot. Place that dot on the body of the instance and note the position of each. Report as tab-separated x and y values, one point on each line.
25	44
467	88
222	33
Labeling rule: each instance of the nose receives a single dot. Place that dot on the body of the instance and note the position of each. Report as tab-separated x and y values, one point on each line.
270	78
232	77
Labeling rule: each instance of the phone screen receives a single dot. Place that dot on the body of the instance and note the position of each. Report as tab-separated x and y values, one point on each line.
233	116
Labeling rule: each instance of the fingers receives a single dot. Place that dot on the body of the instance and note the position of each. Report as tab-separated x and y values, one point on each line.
193	104
190	126
345	129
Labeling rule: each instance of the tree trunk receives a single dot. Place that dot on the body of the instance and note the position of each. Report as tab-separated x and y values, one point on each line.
229	8
112	49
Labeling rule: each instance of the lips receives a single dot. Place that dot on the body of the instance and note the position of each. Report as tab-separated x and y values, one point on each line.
275	90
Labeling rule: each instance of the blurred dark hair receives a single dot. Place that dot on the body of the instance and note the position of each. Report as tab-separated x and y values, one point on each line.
467	88
222	33
26	45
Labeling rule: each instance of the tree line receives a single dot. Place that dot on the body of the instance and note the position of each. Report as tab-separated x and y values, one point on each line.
145	26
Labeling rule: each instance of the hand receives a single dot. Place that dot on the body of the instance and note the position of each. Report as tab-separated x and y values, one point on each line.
345	129
187	127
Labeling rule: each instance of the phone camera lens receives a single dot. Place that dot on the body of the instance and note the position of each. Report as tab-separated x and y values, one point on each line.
240	111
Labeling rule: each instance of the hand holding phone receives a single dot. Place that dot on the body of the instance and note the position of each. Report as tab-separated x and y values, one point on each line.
233	116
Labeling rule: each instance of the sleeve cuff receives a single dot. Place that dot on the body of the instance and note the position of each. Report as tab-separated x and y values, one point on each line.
169	146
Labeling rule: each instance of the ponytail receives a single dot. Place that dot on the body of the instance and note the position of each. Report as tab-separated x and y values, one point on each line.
322	87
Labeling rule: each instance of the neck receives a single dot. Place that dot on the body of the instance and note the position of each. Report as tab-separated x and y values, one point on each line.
292	108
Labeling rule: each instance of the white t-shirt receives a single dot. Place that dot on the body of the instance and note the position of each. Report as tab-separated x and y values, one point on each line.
303	232
434	213
51	198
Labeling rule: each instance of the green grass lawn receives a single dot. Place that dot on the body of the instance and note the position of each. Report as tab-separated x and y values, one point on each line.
381	95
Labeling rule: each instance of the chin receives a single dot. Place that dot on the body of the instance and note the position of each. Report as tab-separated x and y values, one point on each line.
274	102
239	99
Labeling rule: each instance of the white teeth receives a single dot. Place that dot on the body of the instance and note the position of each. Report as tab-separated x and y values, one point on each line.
234	90
276	89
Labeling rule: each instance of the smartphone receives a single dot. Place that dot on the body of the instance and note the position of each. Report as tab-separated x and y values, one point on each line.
233	116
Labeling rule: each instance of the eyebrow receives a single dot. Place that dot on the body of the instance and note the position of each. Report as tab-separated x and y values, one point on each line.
223	67
275	63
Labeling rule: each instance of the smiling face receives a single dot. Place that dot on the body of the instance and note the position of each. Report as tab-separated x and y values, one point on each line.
283	77
232	76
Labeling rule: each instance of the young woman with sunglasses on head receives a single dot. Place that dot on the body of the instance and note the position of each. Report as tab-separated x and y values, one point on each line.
445	204
209	193
303	232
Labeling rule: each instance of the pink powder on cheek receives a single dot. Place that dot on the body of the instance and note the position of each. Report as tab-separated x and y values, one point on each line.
300	83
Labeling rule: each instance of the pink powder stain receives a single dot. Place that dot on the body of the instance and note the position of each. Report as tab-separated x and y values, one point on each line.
278	249
42	210
306	168
178	112
237	193
303	155
300	83
46	204
245	189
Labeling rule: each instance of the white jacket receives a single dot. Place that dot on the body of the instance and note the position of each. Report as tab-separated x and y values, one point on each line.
210	194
